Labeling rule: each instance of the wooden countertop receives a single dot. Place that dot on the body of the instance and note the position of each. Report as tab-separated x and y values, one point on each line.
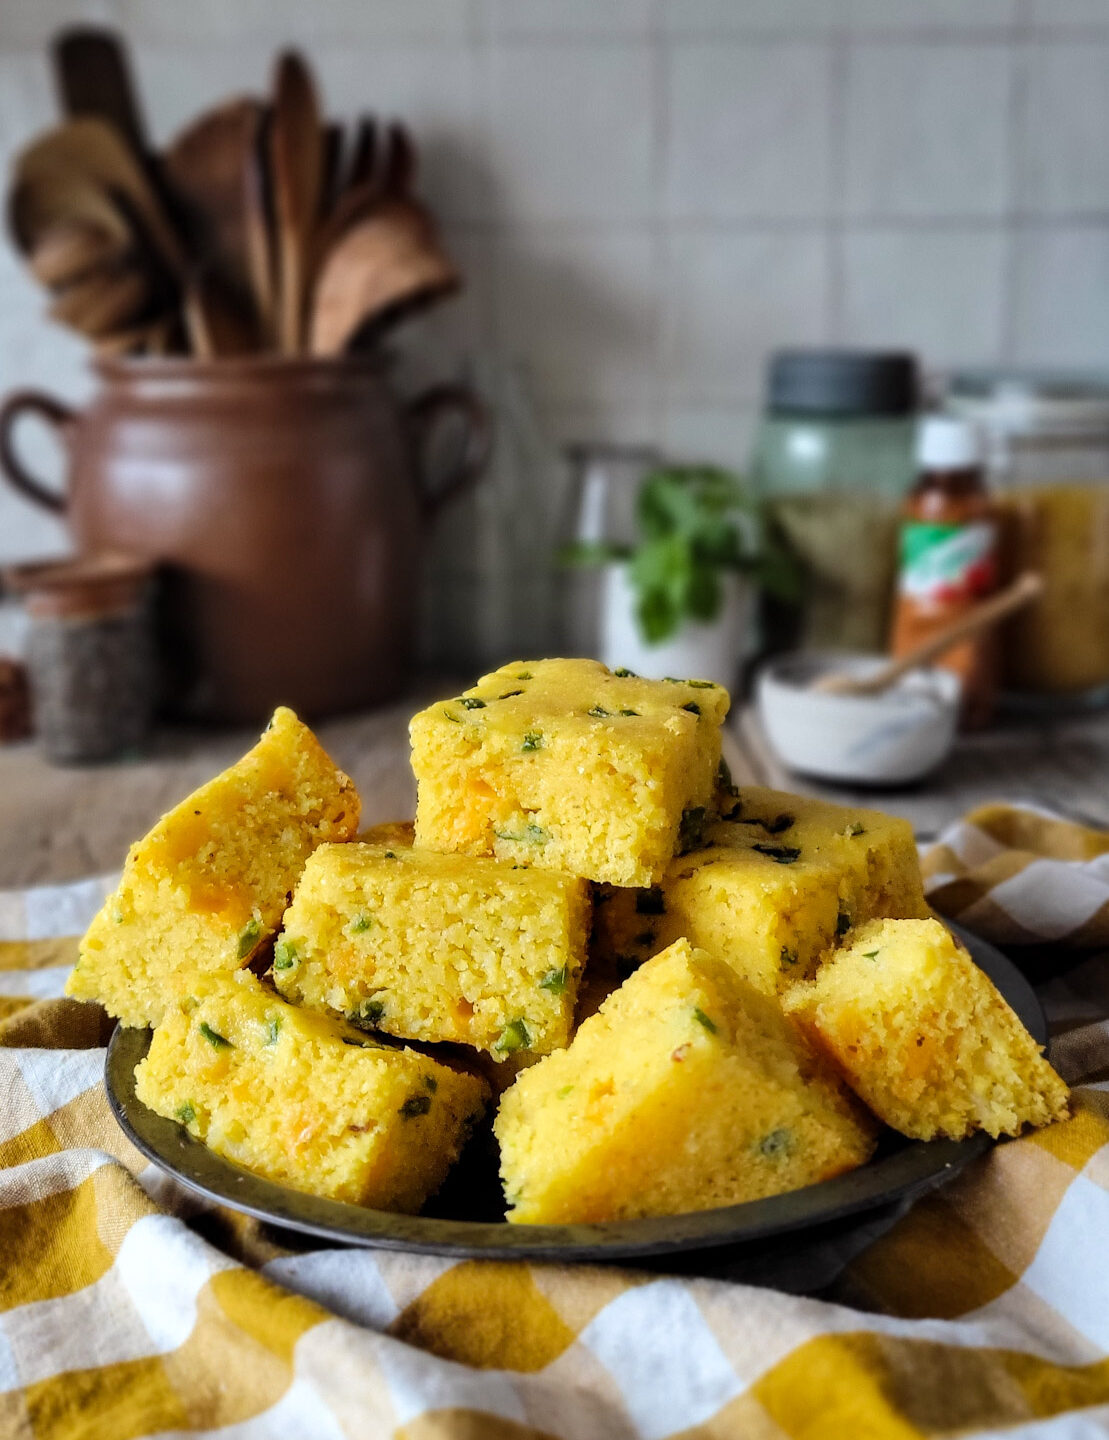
61	824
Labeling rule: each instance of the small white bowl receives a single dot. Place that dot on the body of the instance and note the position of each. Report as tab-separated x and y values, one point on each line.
888	739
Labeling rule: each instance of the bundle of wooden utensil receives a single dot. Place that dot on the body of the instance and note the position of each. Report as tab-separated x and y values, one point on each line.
261	226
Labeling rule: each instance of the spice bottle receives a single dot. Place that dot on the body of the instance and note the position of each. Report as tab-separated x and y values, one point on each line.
949	546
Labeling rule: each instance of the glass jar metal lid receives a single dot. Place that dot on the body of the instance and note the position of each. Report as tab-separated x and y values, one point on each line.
842	383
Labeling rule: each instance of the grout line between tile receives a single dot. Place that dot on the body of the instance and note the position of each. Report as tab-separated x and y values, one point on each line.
839	61
1010	261
659	228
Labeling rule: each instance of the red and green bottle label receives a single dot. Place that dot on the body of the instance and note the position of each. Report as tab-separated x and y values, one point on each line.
945	565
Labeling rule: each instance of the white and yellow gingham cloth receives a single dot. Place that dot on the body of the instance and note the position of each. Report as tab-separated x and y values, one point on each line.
128	1309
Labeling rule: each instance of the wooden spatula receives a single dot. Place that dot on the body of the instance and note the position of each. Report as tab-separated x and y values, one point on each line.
214	319
388	262
94	78
296	166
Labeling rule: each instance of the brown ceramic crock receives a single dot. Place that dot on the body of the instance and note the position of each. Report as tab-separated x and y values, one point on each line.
286	500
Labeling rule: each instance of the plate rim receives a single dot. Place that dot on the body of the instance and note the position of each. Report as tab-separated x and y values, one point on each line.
909	1171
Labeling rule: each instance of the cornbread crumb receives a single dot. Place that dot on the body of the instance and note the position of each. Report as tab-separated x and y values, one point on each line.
306	1100
204	890
436	947
686	1090
771	890
564	764
924	1036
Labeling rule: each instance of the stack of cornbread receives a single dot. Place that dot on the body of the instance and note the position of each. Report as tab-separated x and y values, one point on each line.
681	993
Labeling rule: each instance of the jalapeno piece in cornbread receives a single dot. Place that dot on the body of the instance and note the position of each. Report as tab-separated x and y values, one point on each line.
924	1036
567	765
306	1100
207	886
686	1090
436	947
773	888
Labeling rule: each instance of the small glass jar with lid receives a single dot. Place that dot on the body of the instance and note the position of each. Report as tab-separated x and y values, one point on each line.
833	460
1048	437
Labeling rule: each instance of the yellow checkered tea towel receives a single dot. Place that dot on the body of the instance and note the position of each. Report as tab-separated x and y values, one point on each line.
128	1309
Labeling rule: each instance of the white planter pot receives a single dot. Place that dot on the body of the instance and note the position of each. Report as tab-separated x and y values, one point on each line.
696	651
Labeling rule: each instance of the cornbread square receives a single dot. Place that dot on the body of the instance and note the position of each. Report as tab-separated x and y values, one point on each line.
924	1036
436	947
204	890
686	1090
306	1100
774	886
566	765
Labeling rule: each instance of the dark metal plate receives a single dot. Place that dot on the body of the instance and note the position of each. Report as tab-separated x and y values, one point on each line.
901	1170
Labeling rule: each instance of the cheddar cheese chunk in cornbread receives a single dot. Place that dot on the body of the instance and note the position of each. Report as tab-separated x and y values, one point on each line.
207	886
306	1100
436	947
686	1090
566	765
924	1036
772	889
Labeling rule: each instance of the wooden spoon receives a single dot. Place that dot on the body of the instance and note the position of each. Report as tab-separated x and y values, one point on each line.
207	170
90	151
296	166
103	303
66	252
1020	593
258	233
40	204
143	339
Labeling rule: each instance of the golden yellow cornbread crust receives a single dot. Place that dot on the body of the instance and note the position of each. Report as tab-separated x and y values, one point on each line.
565	765
923	1035
686	1090
436	947
771	890
205	889
306	1100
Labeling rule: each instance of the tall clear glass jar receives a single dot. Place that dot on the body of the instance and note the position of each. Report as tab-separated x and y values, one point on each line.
1049	464
605	481
833	460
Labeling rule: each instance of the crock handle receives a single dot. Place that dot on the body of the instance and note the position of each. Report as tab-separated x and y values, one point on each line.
31	402
428	411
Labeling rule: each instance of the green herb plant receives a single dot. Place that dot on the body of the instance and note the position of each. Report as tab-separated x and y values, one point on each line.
696	524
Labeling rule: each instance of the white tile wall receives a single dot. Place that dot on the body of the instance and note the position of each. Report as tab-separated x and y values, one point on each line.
1062	303
892	277
1064	161
748	130
926	129
648	195
729	298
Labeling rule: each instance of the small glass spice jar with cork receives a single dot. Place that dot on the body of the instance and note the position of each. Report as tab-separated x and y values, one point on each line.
90	654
